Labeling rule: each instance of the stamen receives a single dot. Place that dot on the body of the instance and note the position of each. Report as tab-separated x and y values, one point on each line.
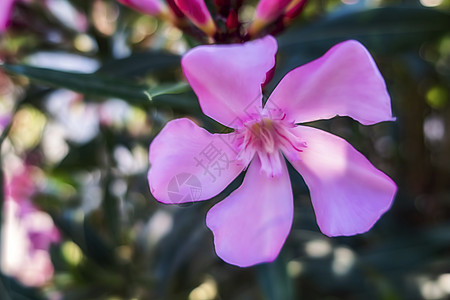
267	137
288	140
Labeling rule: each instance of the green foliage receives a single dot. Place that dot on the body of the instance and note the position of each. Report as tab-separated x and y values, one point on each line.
98	85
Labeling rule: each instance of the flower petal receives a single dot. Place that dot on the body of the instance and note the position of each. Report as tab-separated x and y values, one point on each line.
251	225
345	81
190	164
227	78
6	7
348	193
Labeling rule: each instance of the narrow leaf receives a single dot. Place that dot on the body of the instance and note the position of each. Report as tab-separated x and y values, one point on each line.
165	89
385	30
100	86
138	64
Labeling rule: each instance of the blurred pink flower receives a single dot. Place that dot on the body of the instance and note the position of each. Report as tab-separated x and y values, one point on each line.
6	7
151	7
4	121
27	233
198	13
250	225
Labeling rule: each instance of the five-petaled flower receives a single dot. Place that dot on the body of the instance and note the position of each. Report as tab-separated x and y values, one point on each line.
250	225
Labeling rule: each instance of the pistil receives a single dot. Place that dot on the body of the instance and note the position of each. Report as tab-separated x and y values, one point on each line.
268	138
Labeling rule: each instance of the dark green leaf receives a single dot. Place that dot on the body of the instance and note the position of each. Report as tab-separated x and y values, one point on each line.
74	226
99	86
384	29
165	89
139	64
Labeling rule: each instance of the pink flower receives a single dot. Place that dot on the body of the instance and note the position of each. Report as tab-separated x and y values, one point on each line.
250	226
27	232
4	121
6	7
151	7
198	13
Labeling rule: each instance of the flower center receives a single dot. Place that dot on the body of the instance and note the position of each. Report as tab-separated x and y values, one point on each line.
266	137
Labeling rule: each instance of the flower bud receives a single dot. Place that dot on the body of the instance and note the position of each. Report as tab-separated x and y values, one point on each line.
294	9
198	13
174	8
266	12
232	20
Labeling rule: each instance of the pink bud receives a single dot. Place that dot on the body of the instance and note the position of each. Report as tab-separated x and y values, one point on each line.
266	12
174	8
294	9
151	7
269	10
232	20
198	13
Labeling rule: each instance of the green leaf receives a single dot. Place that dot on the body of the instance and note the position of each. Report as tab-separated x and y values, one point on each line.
138	64
99	86
165	89
74	225
384	30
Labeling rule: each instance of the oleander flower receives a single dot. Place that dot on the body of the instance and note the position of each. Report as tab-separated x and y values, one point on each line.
250	225
27	232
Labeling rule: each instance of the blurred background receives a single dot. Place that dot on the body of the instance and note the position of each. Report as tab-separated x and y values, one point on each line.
79	222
